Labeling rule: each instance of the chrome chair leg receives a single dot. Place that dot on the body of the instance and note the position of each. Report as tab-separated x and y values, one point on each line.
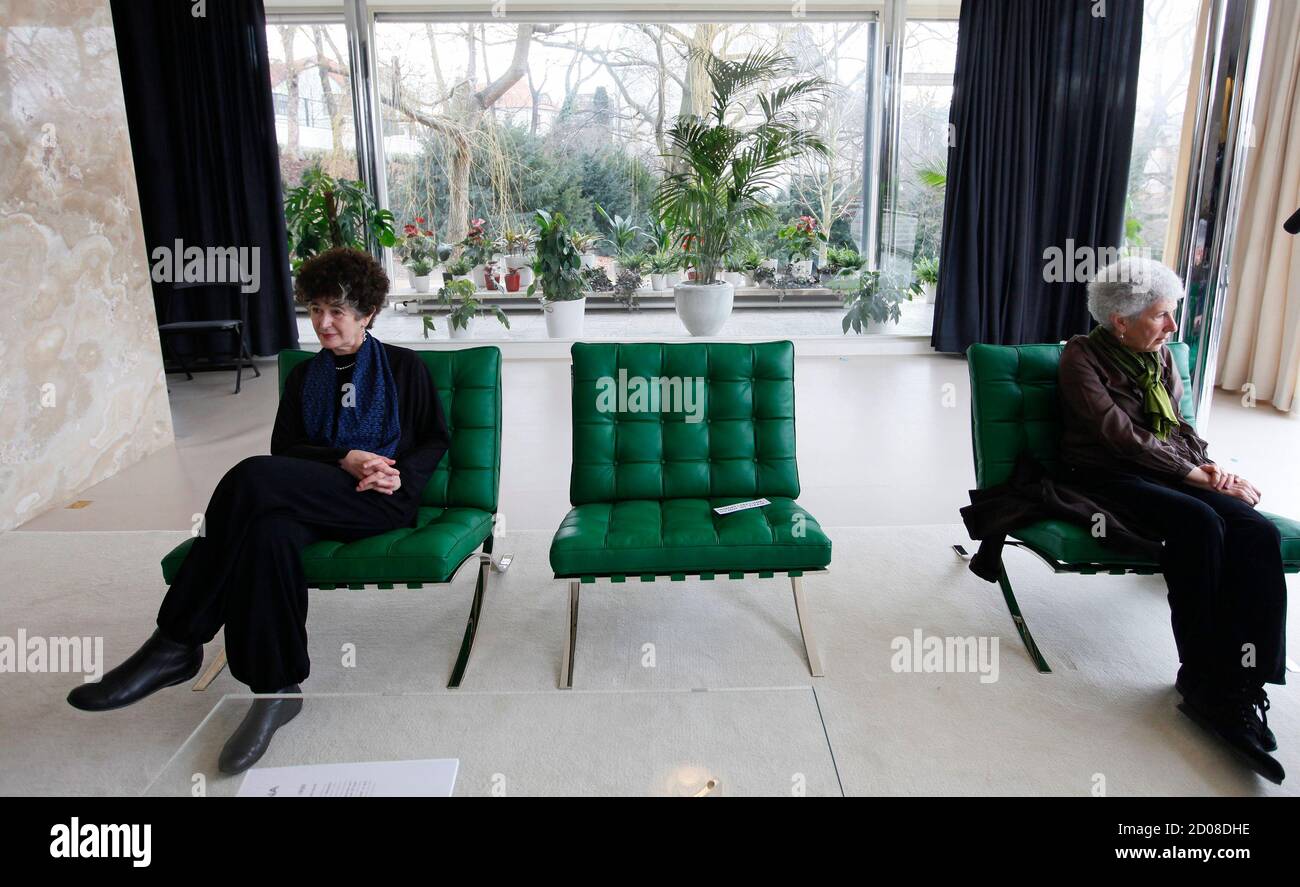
805	628
570	638
467	643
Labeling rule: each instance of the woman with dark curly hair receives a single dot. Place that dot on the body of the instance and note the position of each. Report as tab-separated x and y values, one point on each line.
359	431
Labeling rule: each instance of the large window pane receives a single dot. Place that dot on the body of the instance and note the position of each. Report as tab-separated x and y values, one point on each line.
311	87
495	119
1168	29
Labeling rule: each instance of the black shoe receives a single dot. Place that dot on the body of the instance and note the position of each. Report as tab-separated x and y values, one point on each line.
1233	719
1204	696
159	663
252	738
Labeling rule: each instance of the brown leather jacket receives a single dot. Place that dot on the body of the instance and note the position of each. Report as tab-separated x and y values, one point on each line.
1106	427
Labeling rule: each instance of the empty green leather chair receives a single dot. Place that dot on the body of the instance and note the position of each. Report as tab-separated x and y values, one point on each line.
457	508
1015	406
644	483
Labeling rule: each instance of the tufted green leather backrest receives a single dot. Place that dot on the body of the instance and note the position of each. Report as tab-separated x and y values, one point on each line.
469	387
1014	405
742	445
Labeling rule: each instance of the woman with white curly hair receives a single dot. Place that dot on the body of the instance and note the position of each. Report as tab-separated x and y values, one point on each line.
1127	444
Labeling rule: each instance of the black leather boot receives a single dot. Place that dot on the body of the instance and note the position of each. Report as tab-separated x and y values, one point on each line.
159	663
252	738
1233	718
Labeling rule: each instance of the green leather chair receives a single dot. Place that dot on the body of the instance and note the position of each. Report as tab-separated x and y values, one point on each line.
457	509
644	484
1015	407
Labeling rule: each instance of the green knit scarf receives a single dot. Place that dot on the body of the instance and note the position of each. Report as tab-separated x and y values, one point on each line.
1143	367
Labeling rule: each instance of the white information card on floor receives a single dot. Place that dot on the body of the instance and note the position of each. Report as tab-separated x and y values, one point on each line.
429	778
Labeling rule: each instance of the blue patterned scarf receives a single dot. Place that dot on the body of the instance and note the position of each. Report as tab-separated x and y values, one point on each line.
370	421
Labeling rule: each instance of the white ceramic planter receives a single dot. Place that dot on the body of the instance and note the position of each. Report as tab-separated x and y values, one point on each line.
464	332
703	308
478	274
877	326
456	277
931	290
410	277
589	260
525	277
564	319
658	282
802	268
747	279
770	264
735	278
421	283
672	278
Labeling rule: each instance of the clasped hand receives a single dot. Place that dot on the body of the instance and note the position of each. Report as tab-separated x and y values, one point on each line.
372	471
1215	478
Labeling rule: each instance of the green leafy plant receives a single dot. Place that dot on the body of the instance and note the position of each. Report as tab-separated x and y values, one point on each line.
625	288
751	257
583	242
933	177
633	261
662	233
733	263
459	296
622	234
459	267
517	241
725	169
324	212
477	245
596	280
872	301
802	238
420	267
664	262
926	270
556	267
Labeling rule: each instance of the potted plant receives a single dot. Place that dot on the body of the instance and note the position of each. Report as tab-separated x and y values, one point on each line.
585	244
843	269
459	269
323	213
661	265
802	240
459	297
556	269
724	169
477	247
519	245
417	249
421	271
622	236
733	272
873	305
926	271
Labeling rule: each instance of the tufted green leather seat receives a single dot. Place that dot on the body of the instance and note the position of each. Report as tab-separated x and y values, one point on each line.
457	504
644	484
1015	406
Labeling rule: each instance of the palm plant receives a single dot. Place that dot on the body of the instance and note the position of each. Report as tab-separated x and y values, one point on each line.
727	168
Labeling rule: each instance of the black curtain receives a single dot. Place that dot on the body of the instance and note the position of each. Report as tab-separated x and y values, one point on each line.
1043	105
199	108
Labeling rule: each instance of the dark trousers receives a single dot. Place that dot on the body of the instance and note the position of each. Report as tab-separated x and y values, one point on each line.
1222	562
245	571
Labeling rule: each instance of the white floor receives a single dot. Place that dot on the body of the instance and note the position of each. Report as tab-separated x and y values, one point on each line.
884	456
